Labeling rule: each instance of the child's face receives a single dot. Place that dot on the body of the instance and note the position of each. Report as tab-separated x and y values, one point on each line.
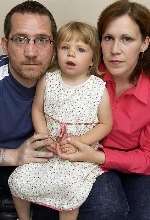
74	58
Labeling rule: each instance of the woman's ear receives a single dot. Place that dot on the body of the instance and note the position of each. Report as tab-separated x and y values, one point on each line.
4	45
145	44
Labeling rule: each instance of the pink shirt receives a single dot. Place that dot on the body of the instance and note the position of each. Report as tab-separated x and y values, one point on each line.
127	147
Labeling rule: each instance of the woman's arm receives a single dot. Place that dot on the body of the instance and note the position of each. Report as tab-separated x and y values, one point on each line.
136	160
83	153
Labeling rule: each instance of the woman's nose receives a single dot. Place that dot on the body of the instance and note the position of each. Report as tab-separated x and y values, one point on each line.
116	47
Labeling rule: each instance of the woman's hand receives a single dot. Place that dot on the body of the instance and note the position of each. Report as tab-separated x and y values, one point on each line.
83	153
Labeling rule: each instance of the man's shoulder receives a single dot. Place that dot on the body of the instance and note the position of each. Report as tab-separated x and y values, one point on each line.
3	60
3	66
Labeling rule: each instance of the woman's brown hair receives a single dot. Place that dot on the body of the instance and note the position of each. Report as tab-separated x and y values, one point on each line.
141	16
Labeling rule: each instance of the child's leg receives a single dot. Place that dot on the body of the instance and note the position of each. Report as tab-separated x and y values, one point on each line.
69	215
23	208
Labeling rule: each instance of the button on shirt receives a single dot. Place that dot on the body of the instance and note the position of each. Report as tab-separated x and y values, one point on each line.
127	147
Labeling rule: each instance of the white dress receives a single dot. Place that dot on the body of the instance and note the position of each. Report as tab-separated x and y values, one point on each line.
61	184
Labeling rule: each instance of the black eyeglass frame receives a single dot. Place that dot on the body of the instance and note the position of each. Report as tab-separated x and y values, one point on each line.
26	40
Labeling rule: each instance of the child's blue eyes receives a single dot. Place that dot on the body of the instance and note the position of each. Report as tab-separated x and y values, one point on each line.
82	50
64	48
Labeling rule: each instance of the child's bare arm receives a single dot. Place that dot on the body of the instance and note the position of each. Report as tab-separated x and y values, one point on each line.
98	132
105	123
38	116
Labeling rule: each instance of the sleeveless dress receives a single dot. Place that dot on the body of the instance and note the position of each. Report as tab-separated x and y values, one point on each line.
61	184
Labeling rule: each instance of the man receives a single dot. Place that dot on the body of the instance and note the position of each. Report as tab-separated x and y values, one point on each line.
30	32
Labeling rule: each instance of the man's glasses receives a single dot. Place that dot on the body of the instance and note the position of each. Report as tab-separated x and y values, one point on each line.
39	41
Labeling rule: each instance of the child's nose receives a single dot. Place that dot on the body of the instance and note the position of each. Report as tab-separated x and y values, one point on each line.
71	52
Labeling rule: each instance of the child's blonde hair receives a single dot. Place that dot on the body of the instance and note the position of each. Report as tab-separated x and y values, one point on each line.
84	32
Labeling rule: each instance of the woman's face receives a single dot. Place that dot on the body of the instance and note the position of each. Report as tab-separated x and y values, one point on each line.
121	45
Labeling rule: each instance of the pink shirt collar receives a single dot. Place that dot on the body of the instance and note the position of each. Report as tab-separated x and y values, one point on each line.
140	91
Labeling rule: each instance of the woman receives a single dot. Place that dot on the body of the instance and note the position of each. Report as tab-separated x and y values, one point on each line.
124	193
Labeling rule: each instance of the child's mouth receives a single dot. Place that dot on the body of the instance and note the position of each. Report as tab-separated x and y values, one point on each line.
70	63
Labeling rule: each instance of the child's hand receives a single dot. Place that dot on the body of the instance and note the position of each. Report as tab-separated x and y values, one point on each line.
52	145
67	148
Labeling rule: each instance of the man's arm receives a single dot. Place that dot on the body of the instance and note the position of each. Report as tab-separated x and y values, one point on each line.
27	152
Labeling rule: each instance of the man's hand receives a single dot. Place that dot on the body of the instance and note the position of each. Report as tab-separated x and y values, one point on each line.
28	151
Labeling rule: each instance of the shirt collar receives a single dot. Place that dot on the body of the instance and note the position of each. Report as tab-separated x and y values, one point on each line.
140	90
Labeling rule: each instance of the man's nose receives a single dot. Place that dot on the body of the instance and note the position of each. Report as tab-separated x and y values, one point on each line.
31	49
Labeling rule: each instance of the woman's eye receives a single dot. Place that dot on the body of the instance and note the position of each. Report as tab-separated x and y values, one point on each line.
107	38
126	39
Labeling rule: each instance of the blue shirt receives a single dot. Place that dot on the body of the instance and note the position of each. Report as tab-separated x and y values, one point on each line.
15	108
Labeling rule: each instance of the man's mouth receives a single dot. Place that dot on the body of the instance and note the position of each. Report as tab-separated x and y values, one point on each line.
31	64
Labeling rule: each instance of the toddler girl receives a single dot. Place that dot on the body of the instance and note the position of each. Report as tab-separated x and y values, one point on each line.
71	101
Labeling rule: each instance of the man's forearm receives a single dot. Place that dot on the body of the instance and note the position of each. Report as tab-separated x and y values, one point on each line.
8	157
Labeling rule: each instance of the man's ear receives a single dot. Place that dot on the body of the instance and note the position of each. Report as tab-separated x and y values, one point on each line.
4	45
145	44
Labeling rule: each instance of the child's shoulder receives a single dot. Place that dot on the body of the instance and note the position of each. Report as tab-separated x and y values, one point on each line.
98	80
52	75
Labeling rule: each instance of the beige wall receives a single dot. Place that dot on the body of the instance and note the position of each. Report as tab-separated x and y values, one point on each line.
85	10
66	10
